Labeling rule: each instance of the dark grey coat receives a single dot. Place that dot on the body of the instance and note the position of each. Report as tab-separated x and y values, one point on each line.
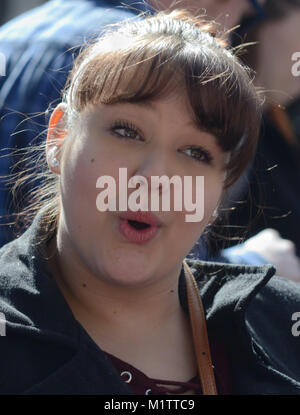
46	351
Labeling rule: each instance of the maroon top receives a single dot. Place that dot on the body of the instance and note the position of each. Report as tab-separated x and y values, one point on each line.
140	384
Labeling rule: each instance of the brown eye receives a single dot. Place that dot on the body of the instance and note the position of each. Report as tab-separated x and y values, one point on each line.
125	130
199	154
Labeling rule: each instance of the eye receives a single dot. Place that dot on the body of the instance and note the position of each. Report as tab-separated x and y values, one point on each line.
126	130
199	154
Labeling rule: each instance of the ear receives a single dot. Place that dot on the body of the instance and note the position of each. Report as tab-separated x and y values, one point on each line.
57	132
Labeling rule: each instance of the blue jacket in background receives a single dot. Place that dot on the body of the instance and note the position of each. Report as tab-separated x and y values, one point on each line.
39	47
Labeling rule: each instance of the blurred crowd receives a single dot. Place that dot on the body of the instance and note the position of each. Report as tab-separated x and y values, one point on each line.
12	8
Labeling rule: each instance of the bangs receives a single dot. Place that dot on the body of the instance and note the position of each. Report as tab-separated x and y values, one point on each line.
126	67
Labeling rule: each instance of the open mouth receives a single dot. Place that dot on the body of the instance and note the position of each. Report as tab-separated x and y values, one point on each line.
138	225
137	231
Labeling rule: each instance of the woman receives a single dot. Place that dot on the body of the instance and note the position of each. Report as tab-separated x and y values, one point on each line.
95	302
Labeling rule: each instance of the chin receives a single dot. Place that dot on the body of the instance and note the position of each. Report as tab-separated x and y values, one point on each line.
128	270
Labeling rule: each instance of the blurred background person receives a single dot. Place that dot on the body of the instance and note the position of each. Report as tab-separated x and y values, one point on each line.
268	195
227	13
11	8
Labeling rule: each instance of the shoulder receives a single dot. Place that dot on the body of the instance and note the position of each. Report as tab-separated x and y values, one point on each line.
226	290
275	305
16	282
257	283
260	314
273	319
37	329
233	286
252	310
29	295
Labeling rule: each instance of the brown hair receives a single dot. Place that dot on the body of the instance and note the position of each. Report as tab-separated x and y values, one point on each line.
145	59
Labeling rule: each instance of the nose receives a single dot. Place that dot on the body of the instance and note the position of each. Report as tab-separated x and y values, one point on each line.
153	165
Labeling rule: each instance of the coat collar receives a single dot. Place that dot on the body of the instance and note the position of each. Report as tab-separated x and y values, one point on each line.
226	289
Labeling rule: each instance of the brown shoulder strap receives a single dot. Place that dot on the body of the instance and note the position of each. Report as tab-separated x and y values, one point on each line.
200	336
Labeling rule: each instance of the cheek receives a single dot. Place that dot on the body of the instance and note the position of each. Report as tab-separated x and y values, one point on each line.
83	164
78	186
188	232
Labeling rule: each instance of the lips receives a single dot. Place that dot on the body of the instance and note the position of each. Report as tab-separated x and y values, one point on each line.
143	217
139	227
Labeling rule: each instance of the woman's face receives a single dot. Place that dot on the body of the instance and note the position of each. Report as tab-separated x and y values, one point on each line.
160	140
